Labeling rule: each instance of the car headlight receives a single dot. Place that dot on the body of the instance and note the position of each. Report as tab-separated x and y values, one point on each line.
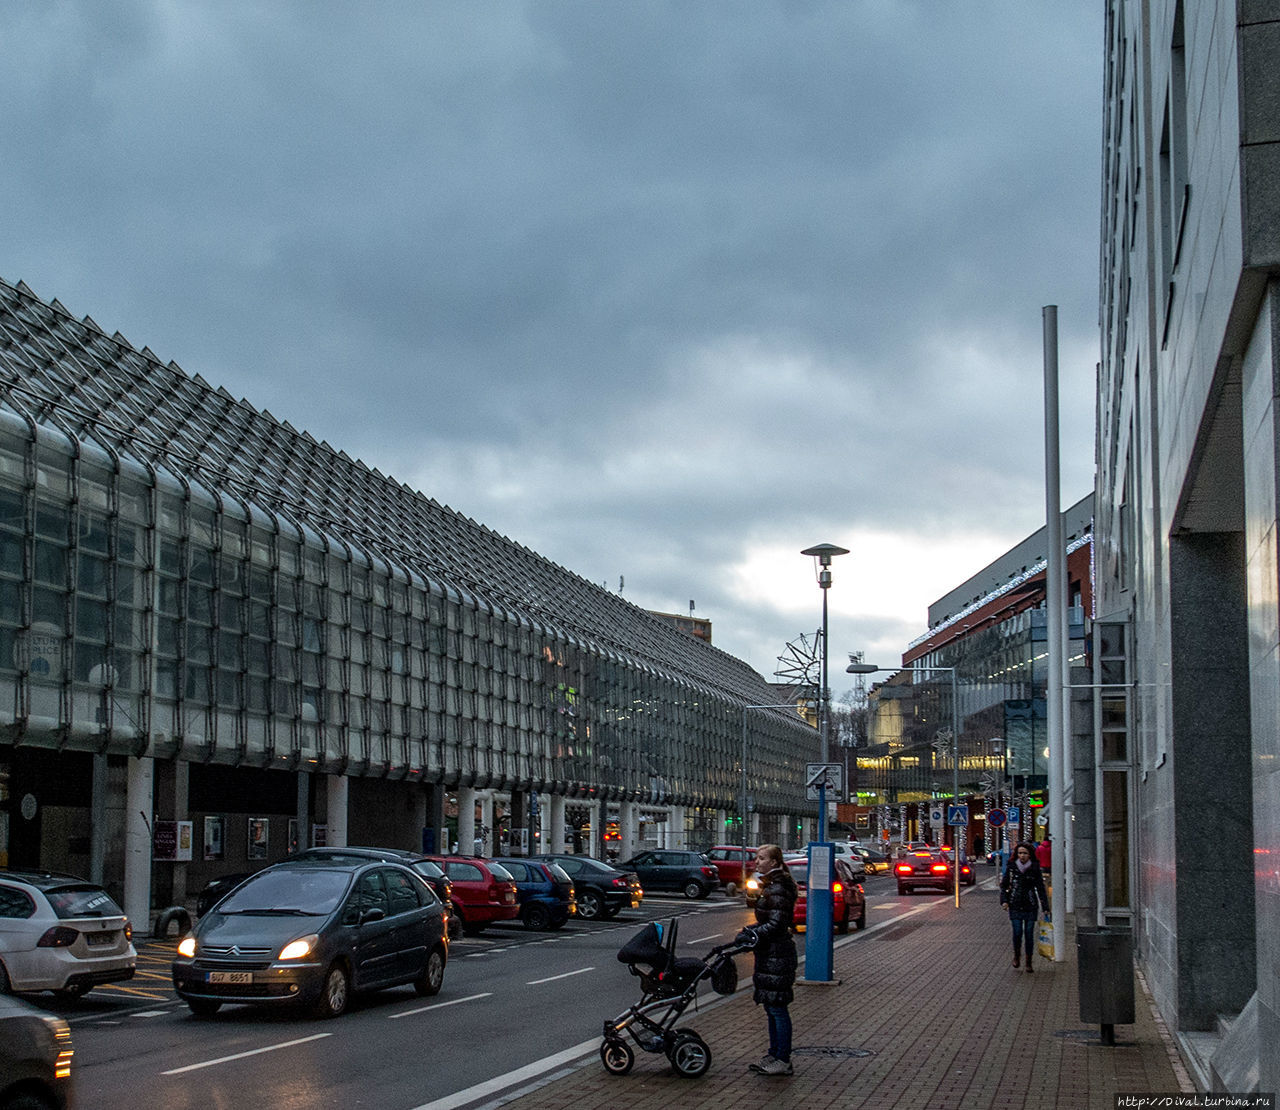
297	949
187	946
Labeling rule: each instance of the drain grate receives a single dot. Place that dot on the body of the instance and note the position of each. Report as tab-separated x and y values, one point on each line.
831	1050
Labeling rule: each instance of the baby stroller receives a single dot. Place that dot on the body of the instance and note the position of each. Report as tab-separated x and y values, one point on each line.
668	983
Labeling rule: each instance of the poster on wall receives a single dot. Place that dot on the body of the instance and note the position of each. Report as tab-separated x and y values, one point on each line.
259	837
214	830
186	833
164	841
319	835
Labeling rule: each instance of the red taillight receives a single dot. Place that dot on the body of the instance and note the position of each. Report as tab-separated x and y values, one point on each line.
836	888
618	882
710	872
903	869
939	868
128	930
60	936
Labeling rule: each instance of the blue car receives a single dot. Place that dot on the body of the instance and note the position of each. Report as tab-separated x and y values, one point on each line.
545	892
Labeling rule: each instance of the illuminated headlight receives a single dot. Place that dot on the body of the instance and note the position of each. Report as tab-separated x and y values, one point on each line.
297	949
753	884
187	946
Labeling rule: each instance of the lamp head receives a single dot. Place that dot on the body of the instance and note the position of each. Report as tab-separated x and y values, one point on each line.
825	552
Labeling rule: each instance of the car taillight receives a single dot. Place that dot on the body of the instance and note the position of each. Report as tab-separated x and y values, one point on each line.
60	936
939	868
710	872
836	888
904	869
128	930
618	882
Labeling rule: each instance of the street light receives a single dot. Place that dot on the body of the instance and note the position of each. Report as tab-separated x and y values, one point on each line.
818	945
871	668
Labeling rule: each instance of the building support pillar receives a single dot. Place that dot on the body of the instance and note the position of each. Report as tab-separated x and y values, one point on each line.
139	818
466	819
555	833
627	826
336	810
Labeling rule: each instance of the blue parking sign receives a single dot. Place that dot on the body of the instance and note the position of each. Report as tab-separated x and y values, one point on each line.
1014	815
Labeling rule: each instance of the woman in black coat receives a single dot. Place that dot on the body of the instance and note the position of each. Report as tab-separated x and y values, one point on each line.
775	955
1022	893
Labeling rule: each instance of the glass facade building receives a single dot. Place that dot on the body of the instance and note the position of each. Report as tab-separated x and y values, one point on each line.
185	578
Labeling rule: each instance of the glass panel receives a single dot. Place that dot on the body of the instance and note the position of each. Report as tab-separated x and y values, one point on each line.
1115	827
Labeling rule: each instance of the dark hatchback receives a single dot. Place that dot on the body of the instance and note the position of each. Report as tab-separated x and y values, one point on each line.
544	890
310	932
35	1057
925	867
431	872
691	873
601	891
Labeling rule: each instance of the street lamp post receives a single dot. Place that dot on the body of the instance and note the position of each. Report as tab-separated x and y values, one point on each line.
871	668
818	941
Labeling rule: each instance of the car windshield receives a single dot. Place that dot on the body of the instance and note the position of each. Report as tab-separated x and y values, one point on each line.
304	892
82	900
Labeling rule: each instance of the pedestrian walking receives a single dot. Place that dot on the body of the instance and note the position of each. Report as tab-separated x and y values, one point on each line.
775	956
1044	854
1022	893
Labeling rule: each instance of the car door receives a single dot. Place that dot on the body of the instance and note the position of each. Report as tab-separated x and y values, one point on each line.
409	923
373	950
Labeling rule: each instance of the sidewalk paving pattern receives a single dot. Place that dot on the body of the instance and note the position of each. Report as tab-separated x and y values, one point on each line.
928	1014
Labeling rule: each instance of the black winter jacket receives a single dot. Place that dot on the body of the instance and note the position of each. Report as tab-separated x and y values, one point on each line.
1021	890
775	952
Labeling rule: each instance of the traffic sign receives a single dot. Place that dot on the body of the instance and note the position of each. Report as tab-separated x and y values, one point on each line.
935	815
957	815
820	775
1014	815
995	818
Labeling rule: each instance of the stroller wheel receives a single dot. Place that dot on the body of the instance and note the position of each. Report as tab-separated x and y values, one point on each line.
616	1055
689	1054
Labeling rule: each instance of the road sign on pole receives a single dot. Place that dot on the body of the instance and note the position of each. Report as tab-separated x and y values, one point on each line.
823	776
958	815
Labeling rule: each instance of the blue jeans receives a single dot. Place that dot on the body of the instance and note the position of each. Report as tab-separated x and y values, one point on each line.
1024	925
779	1032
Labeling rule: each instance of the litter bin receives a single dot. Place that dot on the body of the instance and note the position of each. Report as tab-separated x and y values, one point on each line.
1104	965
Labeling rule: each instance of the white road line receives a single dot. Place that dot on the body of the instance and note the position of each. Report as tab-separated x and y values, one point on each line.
703	940
242	1055
502	1082
438	1005
553	978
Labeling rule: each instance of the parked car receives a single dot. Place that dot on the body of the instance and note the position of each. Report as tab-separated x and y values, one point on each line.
483	891
843	849
217	889
544	890
35	1057
60	933
848	899
691	873
599	889
734	865
874	862
431	872
309	932
925	867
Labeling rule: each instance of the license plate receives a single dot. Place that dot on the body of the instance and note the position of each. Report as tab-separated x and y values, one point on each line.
231	977
97	939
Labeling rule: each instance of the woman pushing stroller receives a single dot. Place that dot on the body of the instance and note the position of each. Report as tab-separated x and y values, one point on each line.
775	955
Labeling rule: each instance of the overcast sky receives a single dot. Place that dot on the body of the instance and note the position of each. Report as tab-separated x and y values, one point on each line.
665	291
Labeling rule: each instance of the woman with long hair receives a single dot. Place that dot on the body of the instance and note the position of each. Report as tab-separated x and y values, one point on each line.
1022	893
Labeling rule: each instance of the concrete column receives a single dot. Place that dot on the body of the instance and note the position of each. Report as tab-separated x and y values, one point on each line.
627	825
754	838
336	810
421	814
555	830
304	810
594	848
488	844
466	819
98	822
139	814
436	820
675	827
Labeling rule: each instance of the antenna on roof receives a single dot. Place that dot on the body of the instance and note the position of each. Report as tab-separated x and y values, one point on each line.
691	607
622	581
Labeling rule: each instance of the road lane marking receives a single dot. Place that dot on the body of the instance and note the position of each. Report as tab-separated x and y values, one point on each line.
703	940
438	1005
553	978
501	1082
242	1055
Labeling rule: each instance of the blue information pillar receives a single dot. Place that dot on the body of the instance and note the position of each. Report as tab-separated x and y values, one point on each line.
818	949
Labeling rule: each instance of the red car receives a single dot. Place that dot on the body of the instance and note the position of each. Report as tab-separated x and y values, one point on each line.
483	891
848	900
926	867
734	864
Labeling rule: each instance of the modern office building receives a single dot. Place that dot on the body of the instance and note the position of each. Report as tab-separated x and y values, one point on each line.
220	638
1186	530
981	668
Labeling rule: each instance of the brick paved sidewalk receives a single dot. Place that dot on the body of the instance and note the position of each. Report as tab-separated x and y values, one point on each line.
929	1014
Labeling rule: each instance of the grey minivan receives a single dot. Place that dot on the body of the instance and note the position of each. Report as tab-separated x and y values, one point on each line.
310	932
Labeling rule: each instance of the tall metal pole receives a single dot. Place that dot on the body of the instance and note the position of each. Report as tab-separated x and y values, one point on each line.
1056	601
955	777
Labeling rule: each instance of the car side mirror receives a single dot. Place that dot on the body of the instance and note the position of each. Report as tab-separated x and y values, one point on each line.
372	914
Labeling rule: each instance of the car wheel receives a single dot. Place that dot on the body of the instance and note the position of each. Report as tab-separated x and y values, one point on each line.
842	926
902	890
860	922
204	1007
536	916
432	977
590	906
694	889
337	989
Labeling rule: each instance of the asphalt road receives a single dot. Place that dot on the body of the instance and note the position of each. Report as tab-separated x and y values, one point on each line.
511	1000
